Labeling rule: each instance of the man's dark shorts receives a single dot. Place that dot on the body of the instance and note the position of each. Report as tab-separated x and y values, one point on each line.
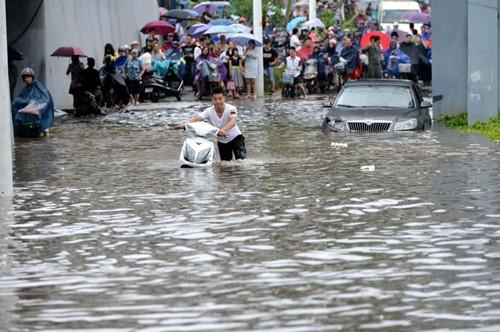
236	146
298	80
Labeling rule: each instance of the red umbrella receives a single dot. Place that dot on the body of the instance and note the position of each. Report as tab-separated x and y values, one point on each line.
161	27
68	51
384	39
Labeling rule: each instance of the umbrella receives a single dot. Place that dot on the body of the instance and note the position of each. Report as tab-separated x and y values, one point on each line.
199	31
384	39
295	22
163	11
68	51
302	3
200	8
161	27
221	3
243	39
221	29
221	21
194	27
316	23
417	17
239	28
182	14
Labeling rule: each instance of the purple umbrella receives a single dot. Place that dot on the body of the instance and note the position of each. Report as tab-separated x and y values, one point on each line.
417	18
200	8
199	31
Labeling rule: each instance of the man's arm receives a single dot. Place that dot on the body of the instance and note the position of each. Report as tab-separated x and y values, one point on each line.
229	125
197	118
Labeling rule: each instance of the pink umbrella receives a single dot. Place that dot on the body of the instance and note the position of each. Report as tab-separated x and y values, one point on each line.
69	51
163	11
160	27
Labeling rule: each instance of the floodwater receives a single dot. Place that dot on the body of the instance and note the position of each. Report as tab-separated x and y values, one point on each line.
107	234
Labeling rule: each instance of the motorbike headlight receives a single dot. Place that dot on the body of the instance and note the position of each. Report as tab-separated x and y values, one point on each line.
337	125
406	125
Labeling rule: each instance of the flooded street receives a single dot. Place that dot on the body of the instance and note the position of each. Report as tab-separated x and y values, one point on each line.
108	234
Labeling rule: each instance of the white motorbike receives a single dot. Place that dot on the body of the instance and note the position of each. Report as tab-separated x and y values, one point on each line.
198	150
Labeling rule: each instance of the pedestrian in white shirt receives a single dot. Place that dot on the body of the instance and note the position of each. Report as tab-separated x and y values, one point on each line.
294	40
224	116
294	68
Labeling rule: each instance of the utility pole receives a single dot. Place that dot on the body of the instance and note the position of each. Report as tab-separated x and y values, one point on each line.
312	9
257	30
6	182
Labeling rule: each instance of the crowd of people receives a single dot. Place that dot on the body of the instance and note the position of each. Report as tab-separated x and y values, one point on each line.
117	82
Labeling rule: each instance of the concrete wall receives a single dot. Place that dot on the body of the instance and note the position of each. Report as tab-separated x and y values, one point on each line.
89	24
449	66
466	60
482	103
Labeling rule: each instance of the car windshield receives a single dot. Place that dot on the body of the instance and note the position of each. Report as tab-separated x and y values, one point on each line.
390	16
376	96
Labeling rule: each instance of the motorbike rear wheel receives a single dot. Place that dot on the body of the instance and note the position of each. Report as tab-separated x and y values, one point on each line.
155	95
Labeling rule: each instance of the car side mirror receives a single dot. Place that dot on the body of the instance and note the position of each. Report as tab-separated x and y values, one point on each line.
328	104
426	104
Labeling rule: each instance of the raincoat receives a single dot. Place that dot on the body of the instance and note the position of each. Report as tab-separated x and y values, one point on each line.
393	57
32	111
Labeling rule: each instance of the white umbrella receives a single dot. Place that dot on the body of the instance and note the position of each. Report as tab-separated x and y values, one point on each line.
316	23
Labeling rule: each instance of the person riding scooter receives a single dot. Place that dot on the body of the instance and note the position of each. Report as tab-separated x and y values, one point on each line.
33	108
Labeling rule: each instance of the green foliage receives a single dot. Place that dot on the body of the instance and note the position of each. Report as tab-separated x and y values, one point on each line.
328	18
245	8
490	129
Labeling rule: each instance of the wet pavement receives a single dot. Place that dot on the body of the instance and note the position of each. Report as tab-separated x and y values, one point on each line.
108	234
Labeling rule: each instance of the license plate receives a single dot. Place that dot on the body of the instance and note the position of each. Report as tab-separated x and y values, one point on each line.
149	90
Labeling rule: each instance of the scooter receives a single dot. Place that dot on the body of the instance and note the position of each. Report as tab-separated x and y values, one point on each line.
290	89
198	150
311	75
156	87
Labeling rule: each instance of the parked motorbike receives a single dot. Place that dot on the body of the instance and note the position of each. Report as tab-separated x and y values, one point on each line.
290	89
156	87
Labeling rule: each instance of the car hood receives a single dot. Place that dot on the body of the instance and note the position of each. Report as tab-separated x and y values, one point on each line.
363	114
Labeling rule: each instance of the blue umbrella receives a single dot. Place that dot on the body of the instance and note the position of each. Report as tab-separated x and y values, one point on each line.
218	29
295	22
243	39
233	28
221	21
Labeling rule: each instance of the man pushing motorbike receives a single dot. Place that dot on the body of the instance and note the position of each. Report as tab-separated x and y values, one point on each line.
223	116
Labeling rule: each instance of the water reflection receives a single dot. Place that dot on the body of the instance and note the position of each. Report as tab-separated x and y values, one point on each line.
109	234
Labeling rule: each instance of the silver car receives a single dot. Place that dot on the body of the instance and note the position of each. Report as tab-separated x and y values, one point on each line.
378	106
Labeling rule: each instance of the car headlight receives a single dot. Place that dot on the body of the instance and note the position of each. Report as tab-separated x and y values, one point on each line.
337	125
406	125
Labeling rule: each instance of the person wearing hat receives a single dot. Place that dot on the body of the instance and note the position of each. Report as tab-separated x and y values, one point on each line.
122	57
33	108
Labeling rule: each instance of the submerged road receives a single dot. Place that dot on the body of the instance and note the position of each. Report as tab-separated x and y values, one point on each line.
108	234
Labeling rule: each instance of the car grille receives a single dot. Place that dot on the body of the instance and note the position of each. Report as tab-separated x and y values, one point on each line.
374	127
